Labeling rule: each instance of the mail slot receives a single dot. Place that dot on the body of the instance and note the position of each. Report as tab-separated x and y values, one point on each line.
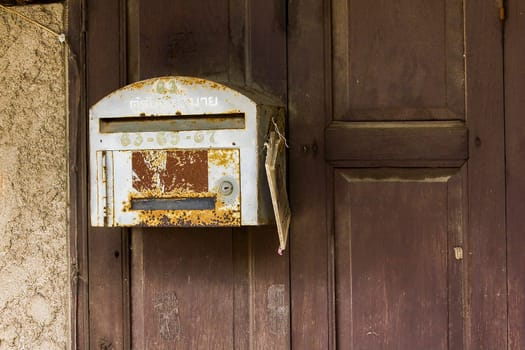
183	152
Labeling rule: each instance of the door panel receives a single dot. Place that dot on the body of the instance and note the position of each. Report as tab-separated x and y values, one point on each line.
398	282
398	60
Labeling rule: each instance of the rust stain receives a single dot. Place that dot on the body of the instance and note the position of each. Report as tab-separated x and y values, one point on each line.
221	157
186	170
167	171
189	218
181	174
175	194
197	81
187	81
230	217
192	81
146	166
216	86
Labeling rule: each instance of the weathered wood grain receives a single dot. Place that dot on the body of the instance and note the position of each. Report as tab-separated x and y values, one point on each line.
107	248
515	154
308	105
487	315
406	141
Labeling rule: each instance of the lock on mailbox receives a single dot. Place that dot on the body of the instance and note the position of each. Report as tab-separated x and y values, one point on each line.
180	151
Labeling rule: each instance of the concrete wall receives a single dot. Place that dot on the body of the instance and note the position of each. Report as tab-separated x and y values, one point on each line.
34	284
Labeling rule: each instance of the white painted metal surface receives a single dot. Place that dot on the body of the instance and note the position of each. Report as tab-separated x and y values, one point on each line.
159	116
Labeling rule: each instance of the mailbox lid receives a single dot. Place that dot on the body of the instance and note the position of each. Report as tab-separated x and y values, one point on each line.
174	96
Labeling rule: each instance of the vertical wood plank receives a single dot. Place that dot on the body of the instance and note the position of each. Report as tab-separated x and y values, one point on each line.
243	283
343	263
187	291
77	176
265	69
308	235
261	290
137	289
515	154
266	51
103	49
456	259
485	119
105	288
237	55
105	73
133	40
269	297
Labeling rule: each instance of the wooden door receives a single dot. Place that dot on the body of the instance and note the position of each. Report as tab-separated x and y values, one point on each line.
397	175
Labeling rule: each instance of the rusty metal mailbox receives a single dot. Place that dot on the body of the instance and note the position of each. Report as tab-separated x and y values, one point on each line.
180	151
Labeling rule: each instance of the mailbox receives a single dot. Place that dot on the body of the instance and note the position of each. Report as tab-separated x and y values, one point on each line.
181	151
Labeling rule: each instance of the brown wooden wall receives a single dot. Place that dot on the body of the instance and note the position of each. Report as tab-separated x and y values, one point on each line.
230	286
404	120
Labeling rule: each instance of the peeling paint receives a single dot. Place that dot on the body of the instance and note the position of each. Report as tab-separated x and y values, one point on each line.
167	171
166	306
277	309
180	174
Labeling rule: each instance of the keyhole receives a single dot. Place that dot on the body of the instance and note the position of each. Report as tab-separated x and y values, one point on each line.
226	188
